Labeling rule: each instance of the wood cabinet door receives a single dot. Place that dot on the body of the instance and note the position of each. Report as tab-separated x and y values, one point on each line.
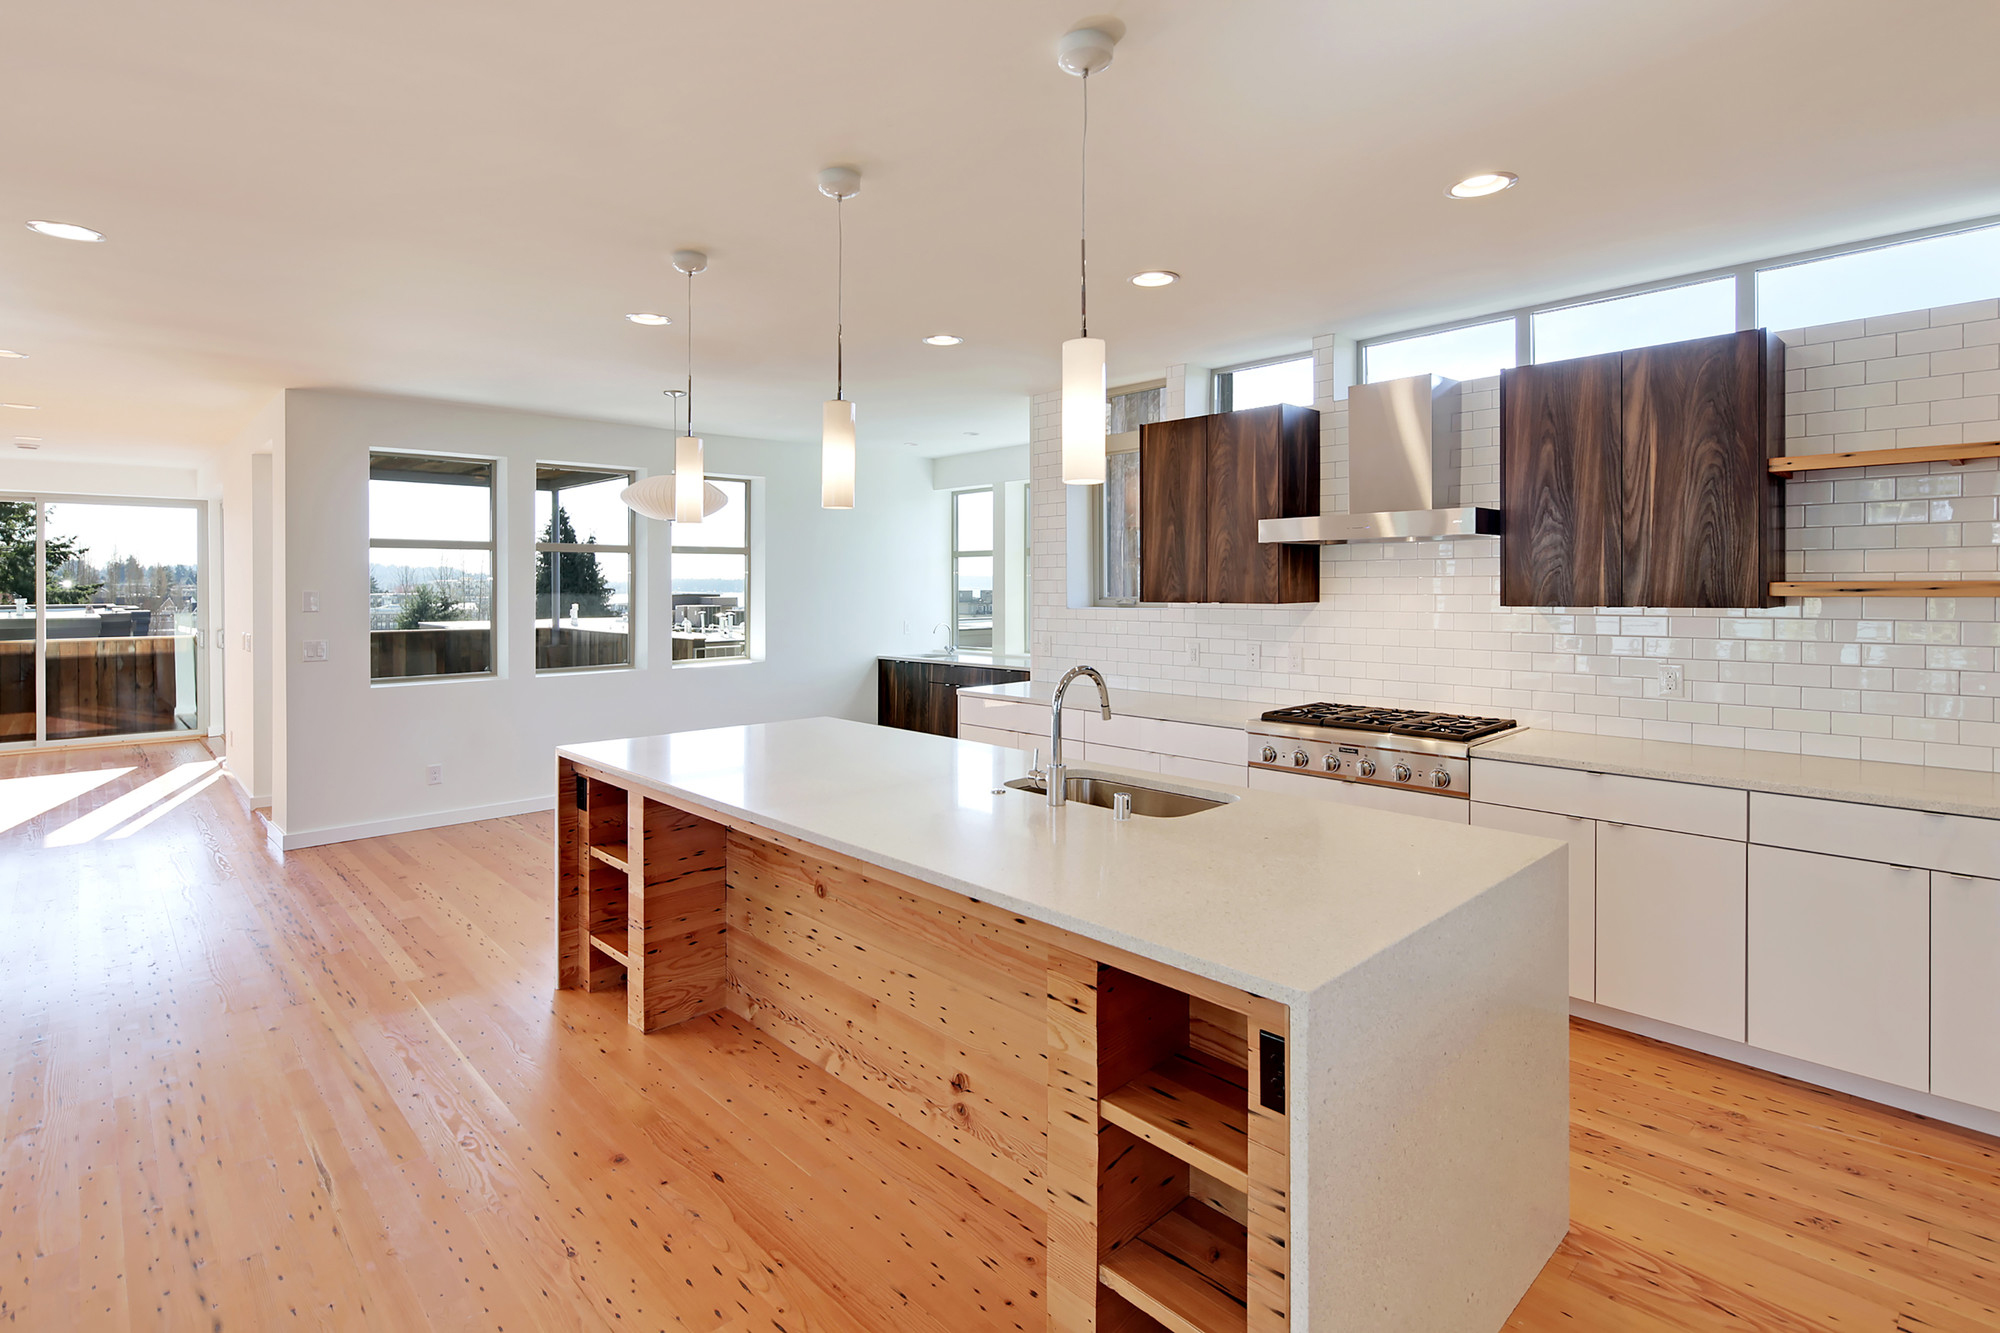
1965	989
1561	509
1262	463
1670	938
901	692
1581	835
1839	963
1173	511
1703	516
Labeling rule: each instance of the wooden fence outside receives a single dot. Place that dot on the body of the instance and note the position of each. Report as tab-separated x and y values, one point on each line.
97	687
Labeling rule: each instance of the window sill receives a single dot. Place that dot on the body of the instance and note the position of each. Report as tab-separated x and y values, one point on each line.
397	682
700	663
608	669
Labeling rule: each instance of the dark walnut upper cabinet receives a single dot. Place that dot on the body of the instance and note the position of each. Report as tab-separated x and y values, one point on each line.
1203	484
1642	478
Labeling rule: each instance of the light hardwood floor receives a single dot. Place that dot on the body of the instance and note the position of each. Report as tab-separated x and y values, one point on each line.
336	1092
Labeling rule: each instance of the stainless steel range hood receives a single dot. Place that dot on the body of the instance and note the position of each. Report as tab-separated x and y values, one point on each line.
1401	439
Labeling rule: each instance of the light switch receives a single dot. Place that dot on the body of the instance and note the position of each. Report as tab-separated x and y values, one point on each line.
315	650
246	643
308	601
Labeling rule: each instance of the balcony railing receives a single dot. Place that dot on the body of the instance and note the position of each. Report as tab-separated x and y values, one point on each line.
96	687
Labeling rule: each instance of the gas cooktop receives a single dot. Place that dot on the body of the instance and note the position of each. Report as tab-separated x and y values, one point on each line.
1394	721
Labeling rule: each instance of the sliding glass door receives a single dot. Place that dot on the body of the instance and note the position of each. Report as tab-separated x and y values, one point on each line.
100	619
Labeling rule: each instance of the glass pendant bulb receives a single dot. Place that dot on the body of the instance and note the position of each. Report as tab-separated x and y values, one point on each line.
1083	412
836	454
687	479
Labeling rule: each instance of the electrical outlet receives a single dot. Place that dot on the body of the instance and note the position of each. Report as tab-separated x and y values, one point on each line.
1295	659
1191	653
308	601
906	629
313	650
246	643
1673	685
1254	653
434	775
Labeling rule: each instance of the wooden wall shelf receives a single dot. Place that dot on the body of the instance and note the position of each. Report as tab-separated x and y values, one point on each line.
1930	453
1891	588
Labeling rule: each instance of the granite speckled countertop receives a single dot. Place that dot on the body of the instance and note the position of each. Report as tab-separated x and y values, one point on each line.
1272	893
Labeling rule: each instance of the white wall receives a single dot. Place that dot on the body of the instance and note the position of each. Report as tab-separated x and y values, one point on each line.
837	587
23	471
244	633
1904	679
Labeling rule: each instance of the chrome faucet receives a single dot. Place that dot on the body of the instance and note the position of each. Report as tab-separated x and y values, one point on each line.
1055	776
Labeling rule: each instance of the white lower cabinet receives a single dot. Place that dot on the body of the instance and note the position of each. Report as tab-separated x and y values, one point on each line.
1013	740
1965	989
1670	927
1839	963
1581	835
1392	799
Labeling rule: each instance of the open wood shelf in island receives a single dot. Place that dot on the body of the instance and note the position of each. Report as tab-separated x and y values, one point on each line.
1192	1106
613	855
1188	1271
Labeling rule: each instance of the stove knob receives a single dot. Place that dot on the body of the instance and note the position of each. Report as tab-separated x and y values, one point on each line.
1402	772
1299	758
1333	763
1440	779
1270	754
1366	767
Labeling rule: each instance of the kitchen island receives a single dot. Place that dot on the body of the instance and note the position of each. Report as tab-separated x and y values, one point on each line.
1274	1064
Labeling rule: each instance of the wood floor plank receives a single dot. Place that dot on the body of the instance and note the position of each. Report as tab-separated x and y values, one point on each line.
334	1091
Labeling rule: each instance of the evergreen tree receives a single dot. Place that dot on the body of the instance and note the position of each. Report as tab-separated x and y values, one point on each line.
426	601
17	558
576	573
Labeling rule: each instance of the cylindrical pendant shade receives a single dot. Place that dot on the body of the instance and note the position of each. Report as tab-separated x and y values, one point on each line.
1083	411
687	479
651	497
836	455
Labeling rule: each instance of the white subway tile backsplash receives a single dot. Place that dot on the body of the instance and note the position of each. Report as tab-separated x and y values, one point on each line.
1907	680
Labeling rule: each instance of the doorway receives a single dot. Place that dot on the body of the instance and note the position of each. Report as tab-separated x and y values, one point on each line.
101	619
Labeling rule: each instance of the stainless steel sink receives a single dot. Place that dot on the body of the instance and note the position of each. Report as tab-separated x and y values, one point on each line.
1100	788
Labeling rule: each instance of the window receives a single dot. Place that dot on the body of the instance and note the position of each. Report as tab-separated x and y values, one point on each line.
1887	279
583	568
430	566
972	569
712	576
1118	507
1644	319
1289	380
1468	353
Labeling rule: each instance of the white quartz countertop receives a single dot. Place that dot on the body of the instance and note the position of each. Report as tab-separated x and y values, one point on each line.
969	657
1237	713
1274	894
1909	786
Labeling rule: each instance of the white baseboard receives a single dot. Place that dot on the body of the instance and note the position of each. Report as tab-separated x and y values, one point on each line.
1836	1080
287	840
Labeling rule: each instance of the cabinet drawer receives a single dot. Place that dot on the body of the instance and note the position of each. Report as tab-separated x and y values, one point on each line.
1117	755
1839	963
1011	715
1679	807
1958	844
1965	989
1670	937
1581	835
1012	740
1190	740
1203	770
1120	729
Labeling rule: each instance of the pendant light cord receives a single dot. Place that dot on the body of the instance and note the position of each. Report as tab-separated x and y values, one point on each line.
839	299
690	352
1083	212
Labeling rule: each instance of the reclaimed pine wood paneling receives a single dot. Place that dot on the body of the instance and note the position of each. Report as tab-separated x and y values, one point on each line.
572	944
940	1017
1560	469
1269	1220
675	928
1072	1172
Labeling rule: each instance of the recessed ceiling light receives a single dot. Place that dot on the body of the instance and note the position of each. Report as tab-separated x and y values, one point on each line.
13	356
1155	277
27	441
646	317
22	407
944	340
1485	183
66	231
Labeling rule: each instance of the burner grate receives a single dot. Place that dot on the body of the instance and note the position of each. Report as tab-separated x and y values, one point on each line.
1394	721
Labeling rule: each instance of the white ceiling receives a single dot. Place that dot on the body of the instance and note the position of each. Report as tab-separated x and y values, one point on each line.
464	200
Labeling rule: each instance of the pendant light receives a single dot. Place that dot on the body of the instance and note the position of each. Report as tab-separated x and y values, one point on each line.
836	448
1083	52
678	496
